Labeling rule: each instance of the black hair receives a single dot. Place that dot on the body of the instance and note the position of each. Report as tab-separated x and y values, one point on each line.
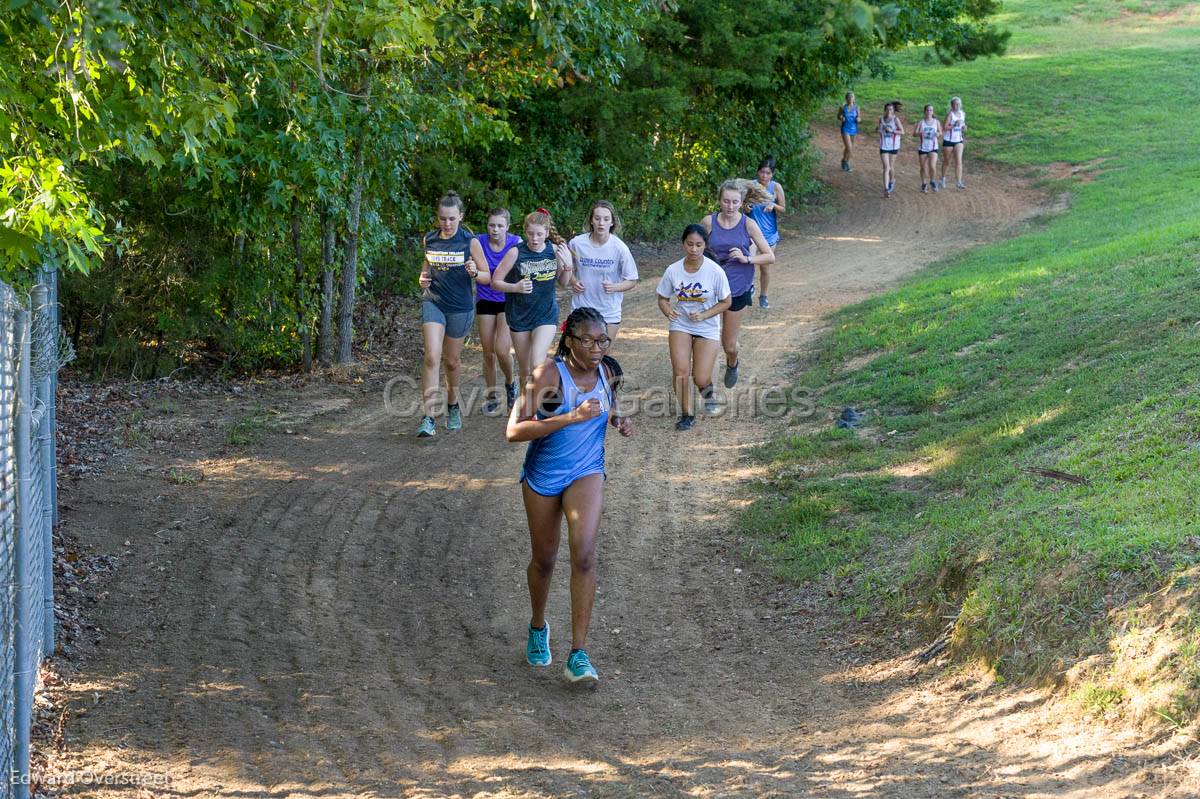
768	162
585	316
696	228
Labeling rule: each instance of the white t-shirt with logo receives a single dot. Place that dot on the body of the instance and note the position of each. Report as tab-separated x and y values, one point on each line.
596	263
695	292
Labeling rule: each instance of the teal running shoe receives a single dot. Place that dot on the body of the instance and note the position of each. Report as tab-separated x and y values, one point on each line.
453	417
579	668
537	650
427	428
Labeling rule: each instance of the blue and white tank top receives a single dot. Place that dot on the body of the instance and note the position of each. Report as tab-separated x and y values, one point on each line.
555	461
889	134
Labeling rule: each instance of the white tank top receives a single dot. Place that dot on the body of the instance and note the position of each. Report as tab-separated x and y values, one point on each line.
955	134
927	130
889	139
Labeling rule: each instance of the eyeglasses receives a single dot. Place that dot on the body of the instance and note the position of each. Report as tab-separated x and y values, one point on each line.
588	342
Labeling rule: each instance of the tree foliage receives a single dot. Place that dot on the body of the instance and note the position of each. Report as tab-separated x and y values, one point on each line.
170	153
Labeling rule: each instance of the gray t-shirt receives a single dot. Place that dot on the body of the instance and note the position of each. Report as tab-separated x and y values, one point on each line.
596	263
695	292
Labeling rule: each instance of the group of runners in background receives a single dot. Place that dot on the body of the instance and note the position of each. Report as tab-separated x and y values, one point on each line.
930	133
562	403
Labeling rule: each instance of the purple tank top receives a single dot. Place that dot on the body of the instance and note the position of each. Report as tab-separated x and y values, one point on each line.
493	260
721	241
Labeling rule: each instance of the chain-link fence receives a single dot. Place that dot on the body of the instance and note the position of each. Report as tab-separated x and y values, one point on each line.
30	357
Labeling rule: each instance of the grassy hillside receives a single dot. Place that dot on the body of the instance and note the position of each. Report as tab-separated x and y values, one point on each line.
1075	347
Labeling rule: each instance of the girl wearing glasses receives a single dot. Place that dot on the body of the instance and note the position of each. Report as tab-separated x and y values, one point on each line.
564	414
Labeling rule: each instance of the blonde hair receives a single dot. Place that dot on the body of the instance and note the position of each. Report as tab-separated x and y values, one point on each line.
542	217
751	191
955	99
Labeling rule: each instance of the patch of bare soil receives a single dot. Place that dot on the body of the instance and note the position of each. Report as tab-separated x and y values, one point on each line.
341	611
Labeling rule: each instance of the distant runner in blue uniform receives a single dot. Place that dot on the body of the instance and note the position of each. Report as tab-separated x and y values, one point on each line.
764	214
848	116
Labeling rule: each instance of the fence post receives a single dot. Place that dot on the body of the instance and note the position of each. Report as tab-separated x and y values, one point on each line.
47	344
26	651
56	325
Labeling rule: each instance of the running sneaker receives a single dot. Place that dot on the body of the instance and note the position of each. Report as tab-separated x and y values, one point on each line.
511	390
961	185
491	406
427	428
453	417
934	186
923	189
849	167
685	423
891	186
943	183
762	302
731	376
711	406
845	165
537	649
579	668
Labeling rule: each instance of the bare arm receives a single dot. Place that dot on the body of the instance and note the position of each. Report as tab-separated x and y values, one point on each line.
566	264
718	309
483	275
780	199
765	254
664	305
506	265
523	424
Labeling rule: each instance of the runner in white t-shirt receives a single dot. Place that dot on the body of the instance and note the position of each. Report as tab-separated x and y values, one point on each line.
693	293
604	267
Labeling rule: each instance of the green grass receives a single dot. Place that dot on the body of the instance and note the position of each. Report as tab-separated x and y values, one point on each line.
249	429
1074	347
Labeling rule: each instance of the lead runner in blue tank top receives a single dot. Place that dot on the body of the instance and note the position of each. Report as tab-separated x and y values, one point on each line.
848	116
564	414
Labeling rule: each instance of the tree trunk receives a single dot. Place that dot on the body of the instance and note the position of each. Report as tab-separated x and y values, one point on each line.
350	264
301	289
328	248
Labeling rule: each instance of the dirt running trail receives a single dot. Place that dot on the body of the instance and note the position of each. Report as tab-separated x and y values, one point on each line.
342	613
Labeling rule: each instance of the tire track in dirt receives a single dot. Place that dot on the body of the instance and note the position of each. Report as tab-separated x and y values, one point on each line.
352	621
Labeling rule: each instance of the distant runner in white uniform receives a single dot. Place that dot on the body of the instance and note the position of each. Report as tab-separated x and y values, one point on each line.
953	140
929	130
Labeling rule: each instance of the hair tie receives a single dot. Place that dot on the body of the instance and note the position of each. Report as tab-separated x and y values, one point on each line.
543	211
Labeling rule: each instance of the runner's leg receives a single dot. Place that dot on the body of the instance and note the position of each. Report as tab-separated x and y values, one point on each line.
581	504
433	335
502	347
731	323
487	339
680	345
545	526
521	345
704	357
452	362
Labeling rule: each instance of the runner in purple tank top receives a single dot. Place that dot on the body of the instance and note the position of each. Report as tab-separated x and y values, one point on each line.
730	234
489	310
